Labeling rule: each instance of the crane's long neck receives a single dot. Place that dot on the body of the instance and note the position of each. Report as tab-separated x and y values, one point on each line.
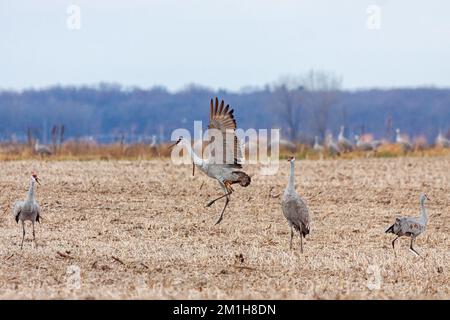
423	210
291	183
195	158
30	196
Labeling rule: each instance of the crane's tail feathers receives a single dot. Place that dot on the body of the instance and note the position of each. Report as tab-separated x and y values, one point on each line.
390	229
243	178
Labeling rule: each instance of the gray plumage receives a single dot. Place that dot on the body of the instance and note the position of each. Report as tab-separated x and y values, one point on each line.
223	163
317	147
294	208
332	147
410	226
406	146
42	149
28	209
363	145
366	145
441	141
343	143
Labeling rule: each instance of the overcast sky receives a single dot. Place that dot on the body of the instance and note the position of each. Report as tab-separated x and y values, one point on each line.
223	44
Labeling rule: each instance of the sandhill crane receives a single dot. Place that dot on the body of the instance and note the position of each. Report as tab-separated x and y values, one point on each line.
41	149
224	164
376	143
362	145
153	143
154	147
442	141
294	208
332	147
406	146
28	209
288	145
366	145
410	226
343	143
317	147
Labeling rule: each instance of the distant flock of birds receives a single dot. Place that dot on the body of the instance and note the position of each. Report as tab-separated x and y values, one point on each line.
334	148
345	145
228	172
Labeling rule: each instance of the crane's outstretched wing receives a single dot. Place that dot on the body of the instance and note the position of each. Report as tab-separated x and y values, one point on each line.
222	119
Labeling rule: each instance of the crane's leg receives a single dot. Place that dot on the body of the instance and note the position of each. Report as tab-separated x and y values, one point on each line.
393	245
292	235
23	234
209	204
34	236
301	242
223	210
411	247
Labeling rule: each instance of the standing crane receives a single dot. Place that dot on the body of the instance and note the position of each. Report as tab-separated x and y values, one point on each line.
366	145
224	163
410	226
343	142
317	147
442	141
294	208
28	209
363	145
332	147
42	149
404	143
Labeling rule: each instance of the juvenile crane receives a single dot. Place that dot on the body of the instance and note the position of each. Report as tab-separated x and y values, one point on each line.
294	208
28	209
224	162
410	226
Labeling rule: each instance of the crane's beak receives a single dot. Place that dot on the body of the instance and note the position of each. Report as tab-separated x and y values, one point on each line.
427	198
37	180
173	145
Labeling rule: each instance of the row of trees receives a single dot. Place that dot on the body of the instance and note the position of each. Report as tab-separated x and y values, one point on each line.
302	106
309	97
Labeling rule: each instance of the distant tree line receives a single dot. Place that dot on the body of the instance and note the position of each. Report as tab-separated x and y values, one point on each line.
300	107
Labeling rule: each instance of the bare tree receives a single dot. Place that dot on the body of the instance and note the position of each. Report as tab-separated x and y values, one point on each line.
288	104
61	137
54	134
316	91
322	89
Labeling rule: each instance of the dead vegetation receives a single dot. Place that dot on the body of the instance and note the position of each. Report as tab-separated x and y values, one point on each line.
140	229
86	151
